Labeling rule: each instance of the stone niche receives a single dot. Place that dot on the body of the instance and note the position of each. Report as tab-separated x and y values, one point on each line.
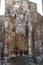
18	37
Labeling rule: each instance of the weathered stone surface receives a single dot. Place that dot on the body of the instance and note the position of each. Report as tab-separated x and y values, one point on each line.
20	12
17	37
23	60
18	27
38	36
9	3
33	11
25	5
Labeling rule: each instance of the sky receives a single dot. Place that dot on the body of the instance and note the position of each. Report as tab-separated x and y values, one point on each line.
0	2
39	6
2	7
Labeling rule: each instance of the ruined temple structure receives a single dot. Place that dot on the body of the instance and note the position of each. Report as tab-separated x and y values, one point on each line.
22	31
